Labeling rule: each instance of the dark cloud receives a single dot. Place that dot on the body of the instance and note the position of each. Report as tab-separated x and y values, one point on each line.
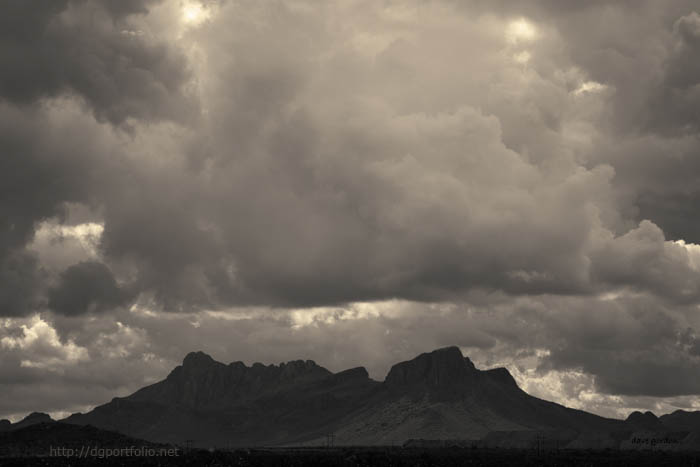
643	259
677	99
530	181
22	284
125	7
677	213
46	162
661	368
632	346
87	48
53	154
85	287
646	53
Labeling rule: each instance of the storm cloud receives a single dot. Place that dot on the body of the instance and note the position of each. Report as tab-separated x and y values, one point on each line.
407	174
84	287
51	48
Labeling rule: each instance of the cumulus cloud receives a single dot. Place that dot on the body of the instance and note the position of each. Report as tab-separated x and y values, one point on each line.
55	48
357	181
52	155
678	96
308	196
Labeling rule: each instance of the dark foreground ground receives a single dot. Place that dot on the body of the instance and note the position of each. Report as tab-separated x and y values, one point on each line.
376	457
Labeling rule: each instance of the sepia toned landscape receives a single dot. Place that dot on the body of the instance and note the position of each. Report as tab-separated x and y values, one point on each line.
350	232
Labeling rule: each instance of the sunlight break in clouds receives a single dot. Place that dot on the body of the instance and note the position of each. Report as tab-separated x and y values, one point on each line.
194	13
520	30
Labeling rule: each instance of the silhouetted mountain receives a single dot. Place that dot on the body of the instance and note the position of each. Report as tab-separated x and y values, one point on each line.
437	395
219	404
644	421
441	395
5	425
202	383
440	369
38	439
682	420
31	419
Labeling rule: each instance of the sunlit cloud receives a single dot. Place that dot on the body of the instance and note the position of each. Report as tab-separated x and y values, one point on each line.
520	30
194	13
693	251
38	338
522	57
590	87
87	234
59	246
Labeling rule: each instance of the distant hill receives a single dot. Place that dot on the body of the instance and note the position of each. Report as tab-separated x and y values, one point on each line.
437	395
645	421
681	420
38	439
33	418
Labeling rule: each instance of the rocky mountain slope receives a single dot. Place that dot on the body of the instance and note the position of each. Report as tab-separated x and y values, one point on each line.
436	395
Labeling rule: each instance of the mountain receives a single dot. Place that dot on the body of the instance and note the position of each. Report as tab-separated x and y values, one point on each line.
221	405
644	421
33	418
681	420
437	395
43	438
441	395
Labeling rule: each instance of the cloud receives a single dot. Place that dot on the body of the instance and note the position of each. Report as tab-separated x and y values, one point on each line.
41	371
52	155
288	193
59	246
643	259
309	197
452	168
676	100
22	283
88	286
605	354
52	49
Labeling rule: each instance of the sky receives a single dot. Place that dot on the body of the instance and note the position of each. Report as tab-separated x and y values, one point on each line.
353	182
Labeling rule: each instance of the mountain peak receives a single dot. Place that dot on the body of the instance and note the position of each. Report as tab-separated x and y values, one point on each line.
441	367
433	394
646	420
501	375
352	374
37	416
300	368
637	415
32	419
198	359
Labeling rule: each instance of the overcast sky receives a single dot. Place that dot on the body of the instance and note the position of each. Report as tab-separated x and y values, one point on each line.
354	182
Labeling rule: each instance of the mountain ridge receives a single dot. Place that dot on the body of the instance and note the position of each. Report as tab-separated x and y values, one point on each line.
436	395
33	418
